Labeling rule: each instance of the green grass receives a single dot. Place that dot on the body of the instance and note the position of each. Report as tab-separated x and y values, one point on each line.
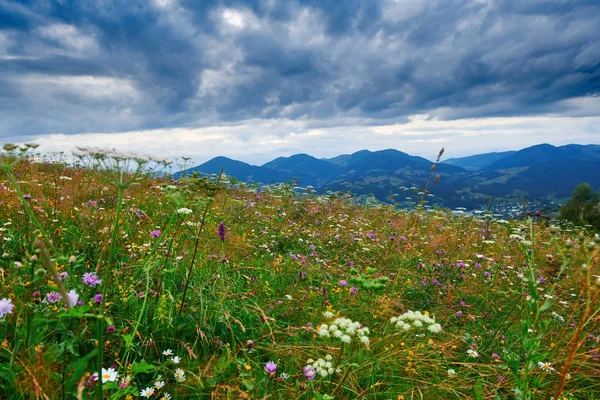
260	294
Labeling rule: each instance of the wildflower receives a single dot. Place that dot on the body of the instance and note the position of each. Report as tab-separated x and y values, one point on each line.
110	329
27	196
53	297
451	373
353	290
165	396
176	359
6	307
159	384
109	375
147	392
184	211
309	372
167	352
91	279
546	367
328	314
180	375
343	283
221	231
125	382
98	298
472	353
155	233
271	367
73	297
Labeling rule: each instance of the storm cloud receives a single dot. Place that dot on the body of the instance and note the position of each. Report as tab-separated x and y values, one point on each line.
71	67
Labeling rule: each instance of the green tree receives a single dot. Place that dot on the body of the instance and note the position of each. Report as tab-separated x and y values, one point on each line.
583	207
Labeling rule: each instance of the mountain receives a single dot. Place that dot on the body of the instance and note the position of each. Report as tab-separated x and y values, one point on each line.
240	170
306	170
389	160
541	173
546	153
479	161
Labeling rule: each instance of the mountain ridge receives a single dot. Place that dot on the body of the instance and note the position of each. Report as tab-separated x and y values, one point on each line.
542	172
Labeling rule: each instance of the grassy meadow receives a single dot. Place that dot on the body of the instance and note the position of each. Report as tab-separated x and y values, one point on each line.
201	288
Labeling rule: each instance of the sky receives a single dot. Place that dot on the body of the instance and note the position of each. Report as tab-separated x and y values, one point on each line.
257	79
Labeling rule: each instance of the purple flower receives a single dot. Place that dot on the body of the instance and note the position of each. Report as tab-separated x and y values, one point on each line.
271	367
27	196
6	307
309	372
155	233
343	283
110	329
221	231
98	298
353	290
91	279
459	314
495	356
73	297
53	297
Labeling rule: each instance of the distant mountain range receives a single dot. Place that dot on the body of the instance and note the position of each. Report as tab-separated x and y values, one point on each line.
541	173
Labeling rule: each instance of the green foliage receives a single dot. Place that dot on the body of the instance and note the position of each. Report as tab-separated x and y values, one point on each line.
300	282
583	208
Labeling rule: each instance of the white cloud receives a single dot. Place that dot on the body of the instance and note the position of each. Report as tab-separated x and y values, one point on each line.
70	38
258	141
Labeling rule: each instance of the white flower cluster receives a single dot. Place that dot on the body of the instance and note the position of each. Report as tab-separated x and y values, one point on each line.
416	319
321	367
344	329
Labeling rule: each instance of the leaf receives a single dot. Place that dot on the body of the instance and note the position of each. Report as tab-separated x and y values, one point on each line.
478	390
141	367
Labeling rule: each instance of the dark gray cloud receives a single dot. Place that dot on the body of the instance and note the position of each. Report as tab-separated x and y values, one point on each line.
75	66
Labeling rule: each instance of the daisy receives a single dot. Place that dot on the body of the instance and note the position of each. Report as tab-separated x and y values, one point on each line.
167	352
176	359
159	385
180	375
472	353
109	375
147	392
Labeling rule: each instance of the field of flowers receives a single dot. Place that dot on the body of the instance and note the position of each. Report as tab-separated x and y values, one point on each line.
118	284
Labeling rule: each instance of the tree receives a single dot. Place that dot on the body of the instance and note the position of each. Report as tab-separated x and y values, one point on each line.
583	208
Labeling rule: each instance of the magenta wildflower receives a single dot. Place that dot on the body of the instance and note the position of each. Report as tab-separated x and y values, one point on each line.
98	298
155	233
353	290
110	329
271	367
343	283
53	297
221	231
27	196
91	279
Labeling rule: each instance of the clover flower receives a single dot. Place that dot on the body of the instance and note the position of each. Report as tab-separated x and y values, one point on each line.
416	319
271	367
